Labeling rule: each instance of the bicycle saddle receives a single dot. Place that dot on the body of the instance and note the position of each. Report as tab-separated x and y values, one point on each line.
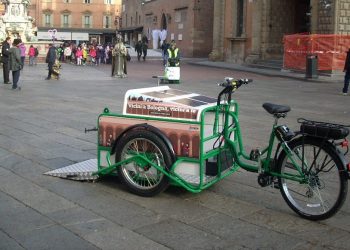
275	108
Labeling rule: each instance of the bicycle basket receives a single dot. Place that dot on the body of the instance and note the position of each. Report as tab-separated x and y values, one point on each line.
323	129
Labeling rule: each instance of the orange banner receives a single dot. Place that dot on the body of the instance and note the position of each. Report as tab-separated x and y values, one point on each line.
329	49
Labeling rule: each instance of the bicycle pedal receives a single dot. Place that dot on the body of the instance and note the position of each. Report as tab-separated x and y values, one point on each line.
254	154
275	184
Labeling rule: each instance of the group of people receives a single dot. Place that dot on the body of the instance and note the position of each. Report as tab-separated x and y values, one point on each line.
13	60
85	54
141	48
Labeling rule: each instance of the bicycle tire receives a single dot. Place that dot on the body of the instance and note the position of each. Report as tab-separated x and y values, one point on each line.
143	181
325	188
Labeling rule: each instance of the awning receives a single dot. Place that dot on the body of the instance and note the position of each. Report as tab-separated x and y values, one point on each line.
131	29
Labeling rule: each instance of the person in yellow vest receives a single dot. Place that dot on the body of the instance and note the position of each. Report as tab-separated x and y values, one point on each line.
173	55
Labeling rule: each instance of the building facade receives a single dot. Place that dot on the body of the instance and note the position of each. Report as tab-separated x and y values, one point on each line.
249	30
188	22
76	20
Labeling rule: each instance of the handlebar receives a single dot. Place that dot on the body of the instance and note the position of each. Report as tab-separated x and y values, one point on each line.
235	83
230	85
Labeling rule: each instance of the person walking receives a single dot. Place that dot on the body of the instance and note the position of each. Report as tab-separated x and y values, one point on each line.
50	60
165	47
347	73
22	47
138	49
5	60
15	63
144	47
31	54
36	55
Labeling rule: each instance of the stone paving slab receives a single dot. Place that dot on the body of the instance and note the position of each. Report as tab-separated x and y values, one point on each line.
42	128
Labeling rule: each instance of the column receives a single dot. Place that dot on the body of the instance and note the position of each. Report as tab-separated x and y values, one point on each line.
217	53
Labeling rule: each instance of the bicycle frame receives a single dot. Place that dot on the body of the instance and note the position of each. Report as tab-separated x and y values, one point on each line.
264	163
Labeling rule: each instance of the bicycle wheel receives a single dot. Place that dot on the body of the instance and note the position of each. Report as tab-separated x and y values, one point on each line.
143	180
324	187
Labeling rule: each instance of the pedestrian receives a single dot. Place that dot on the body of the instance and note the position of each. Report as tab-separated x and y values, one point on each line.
165	47
138	49
99	53
5	60
50	60
79	55
92	53
85	54
347	73
173	55
36	55
15	63
60	53
144	47
22	47
118	58
31	54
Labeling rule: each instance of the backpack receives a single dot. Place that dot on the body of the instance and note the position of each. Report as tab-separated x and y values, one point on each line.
36	52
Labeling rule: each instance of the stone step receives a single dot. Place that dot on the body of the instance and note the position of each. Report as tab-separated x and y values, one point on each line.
274	64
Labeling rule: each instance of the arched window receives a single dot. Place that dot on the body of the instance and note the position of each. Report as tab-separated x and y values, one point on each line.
240	18
164	22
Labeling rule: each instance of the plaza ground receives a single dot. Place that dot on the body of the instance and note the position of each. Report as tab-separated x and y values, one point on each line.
42	128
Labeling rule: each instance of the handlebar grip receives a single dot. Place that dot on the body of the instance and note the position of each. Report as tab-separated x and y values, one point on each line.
245	81
231	82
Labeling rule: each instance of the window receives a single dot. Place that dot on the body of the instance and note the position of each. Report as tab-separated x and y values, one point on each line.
87	21
240	15
87	1
107	22
109	1
47	20
65	20
66	1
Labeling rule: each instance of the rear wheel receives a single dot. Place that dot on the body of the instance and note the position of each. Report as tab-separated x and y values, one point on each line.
323	189
141	177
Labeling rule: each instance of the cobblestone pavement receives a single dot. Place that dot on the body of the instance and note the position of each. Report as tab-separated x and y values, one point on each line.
42	128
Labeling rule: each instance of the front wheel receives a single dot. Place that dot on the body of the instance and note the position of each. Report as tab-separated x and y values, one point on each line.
319	187
140	177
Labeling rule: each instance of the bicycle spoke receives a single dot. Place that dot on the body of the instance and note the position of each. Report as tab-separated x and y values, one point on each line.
322	193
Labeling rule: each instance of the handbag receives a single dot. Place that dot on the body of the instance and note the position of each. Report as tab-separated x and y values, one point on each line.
128	57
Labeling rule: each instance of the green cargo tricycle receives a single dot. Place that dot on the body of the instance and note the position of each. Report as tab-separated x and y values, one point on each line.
168	137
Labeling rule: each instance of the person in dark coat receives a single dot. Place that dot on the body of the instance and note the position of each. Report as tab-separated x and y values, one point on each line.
144	47
5	60
165	46
347	73
138	49
15	63
50	60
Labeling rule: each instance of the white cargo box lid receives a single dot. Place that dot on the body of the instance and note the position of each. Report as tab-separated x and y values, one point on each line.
166	102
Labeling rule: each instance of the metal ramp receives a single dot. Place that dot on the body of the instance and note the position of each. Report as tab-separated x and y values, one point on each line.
81	171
